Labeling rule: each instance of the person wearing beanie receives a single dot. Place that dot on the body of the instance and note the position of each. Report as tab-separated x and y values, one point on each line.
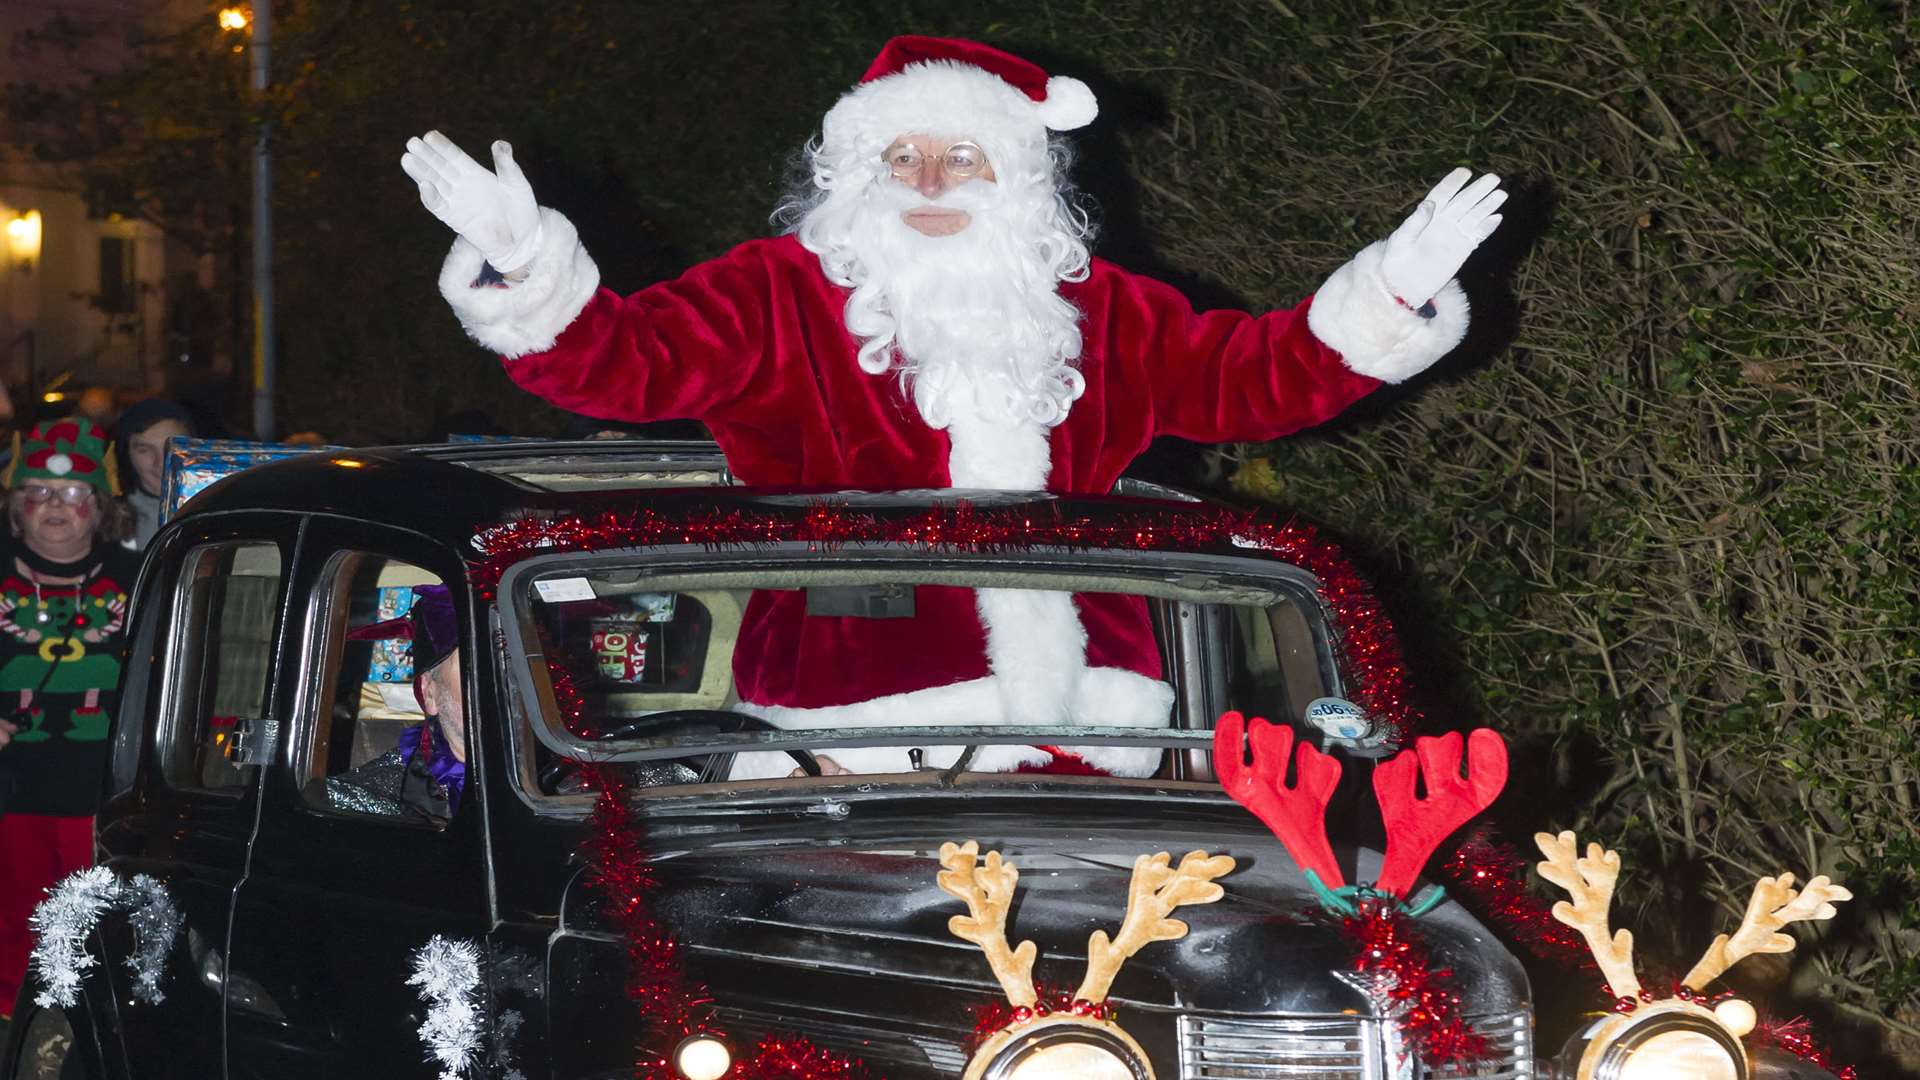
144	430
932	317
63	609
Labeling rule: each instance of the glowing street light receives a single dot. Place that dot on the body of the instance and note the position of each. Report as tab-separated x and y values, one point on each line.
233	18
23	238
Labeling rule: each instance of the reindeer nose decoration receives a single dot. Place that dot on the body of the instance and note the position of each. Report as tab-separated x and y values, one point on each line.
1679	1036
1082	1042
1297	813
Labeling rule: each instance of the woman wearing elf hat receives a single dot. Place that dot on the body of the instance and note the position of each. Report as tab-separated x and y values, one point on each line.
932	317
64	580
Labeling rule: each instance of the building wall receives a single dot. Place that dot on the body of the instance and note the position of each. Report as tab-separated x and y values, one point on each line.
63	300
60	299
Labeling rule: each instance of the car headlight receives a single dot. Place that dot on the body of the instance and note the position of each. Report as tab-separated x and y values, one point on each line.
702	1056
1068	1049
1671	1040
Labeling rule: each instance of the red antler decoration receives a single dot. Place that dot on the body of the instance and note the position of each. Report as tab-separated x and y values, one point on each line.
1415	827
1297	815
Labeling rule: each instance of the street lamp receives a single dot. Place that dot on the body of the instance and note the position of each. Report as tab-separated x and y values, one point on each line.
233	20
23	239
23	231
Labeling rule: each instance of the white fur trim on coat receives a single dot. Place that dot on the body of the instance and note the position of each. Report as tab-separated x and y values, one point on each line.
1103	697
1355	314
526	316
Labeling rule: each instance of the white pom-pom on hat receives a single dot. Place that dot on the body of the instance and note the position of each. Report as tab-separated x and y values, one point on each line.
1069	105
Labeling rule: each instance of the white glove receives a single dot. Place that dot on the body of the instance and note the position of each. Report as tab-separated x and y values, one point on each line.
1428	249
494	211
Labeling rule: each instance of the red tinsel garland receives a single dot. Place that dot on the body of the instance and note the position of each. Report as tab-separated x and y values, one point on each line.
794	1058
1796	1037
1371	651
1493	876
618	870
1386	942
996	1016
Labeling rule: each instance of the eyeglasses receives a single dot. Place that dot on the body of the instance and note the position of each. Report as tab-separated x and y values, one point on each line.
39	493
961	161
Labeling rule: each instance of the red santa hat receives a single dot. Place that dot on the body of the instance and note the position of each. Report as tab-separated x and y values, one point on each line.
959	89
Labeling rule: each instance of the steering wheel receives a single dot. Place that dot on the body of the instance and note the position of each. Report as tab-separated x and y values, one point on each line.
684	722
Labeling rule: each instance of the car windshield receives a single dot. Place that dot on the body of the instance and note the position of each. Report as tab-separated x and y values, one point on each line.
777	666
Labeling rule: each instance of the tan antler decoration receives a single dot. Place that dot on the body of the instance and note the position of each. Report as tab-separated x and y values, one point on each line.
987	886
1590	882
1774	904
1157	888
988	892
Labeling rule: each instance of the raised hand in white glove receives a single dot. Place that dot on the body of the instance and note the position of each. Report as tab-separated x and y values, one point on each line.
494	211
1428	249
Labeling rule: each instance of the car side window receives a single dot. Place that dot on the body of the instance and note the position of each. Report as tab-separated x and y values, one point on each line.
386	718
225	607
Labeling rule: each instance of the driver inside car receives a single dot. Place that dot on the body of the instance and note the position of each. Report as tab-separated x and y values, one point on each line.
426	772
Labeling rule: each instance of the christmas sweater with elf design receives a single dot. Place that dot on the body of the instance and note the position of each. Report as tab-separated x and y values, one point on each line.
63	634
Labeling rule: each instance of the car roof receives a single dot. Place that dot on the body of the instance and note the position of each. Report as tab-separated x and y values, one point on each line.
451	491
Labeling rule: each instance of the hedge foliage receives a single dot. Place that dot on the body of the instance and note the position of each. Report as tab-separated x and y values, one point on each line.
1659	507
1669	522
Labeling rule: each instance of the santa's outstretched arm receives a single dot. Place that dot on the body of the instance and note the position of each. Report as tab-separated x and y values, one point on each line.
1367	310
522	284
1385	316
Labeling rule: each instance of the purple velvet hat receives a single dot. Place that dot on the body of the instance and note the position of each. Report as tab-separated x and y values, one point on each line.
429	624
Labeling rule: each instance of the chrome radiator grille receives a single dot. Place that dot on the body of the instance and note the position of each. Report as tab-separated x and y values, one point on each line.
1334	1048
1510	1036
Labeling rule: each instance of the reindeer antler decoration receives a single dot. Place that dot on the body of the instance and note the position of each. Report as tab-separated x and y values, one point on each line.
1415	826
1590	882
988	893
1156	889
1297	814
987	886
1774	904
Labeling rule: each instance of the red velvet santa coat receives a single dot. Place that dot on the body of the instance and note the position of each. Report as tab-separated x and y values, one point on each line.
753	345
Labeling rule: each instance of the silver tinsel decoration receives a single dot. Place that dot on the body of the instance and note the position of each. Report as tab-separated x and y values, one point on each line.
60	925
73	908
448	975
156	926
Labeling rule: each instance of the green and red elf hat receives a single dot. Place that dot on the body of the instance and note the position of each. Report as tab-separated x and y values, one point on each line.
71	449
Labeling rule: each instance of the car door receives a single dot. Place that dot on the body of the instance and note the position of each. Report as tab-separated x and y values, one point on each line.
182	801
340	897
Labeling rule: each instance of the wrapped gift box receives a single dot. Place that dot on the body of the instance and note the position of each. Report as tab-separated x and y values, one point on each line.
192	464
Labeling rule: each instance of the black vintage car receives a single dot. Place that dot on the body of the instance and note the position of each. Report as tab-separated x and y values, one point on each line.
807	905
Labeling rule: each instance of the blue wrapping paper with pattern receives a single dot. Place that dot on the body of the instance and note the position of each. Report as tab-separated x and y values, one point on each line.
193	464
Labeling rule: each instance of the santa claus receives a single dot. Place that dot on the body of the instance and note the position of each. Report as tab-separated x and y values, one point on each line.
931	318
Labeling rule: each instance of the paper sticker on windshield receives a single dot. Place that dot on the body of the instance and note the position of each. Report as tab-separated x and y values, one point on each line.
562	590
1338	717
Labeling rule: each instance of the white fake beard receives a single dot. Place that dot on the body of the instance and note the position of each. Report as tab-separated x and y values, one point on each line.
974	322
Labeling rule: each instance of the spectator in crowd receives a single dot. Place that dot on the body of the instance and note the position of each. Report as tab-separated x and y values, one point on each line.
64	581
144	431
